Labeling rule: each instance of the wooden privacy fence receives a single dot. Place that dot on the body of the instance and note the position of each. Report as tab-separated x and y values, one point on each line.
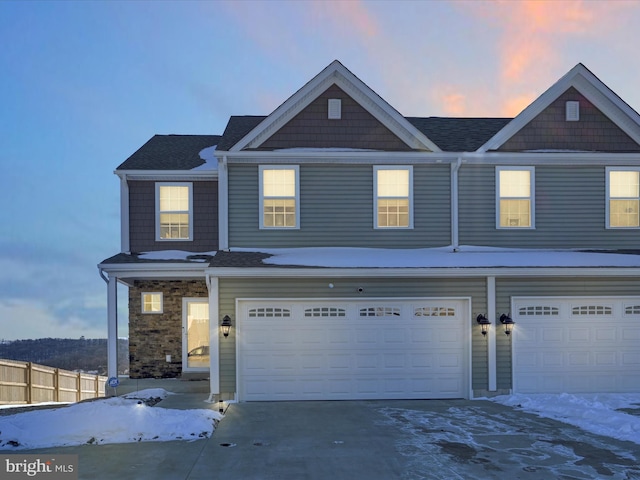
26	383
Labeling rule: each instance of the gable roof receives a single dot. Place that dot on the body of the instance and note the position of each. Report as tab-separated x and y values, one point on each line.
583	80
336	74
170	152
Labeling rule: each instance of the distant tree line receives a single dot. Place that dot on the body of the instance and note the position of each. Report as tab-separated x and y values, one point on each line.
87	355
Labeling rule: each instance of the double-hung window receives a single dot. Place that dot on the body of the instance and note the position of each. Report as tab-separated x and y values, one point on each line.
393	196
174	211
279	196
623	197
515	195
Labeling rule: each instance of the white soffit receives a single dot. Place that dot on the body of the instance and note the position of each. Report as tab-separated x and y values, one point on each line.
337	74
588	85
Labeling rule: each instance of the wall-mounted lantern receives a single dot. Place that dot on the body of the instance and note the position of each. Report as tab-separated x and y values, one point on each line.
484	324
226	325
507	322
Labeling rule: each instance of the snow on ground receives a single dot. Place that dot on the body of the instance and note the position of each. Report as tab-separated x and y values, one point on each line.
596	413
123	419
443	257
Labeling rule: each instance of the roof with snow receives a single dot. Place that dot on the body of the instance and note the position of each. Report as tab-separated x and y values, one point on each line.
170	152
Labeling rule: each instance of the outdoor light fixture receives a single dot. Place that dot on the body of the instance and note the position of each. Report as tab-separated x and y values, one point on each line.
226	325
484	324
507	322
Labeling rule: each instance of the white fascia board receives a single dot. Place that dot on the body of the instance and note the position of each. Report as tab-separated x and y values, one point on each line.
266	272
148	270
336	73
319	156
587	84
551	158
167	174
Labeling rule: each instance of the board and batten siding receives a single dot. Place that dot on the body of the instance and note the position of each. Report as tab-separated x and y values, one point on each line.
337	208
142	218
506	288
570	206
265	288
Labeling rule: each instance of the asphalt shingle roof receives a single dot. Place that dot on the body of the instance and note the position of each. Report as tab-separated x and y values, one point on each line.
170	152
237	128
458	134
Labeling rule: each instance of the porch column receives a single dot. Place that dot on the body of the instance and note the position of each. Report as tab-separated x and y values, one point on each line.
112	327
214	337
491	337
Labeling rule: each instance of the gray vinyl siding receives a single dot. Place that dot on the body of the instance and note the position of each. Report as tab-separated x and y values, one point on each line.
231	289
570	210
506	288
336	209
142	218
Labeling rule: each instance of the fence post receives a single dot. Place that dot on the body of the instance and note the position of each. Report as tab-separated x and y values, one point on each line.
79	387
29	391
97	389
56	384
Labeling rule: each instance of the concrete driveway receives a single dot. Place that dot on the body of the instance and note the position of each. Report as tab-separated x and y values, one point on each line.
432	439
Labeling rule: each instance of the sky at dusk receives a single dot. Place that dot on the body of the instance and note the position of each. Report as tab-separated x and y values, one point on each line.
85	84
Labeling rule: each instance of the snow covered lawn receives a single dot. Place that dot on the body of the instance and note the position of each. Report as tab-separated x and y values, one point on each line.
596	413
111	420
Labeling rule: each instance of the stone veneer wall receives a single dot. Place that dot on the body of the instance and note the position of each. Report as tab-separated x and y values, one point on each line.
153	336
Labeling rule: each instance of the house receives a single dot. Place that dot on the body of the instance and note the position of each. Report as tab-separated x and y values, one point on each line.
335	249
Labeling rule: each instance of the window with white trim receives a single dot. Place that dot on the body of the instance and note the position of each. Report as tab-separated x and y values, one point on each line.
279	196
152	302
393	197
514	197
174	213
623	198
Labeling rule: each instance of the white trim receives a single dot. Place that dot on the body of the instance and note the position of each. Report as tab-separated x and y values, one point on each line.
607	193
453	272
336	73
168	175
376	169
185	347
223	204
158	185
142	303
531	197
492	362
455	205
124	216
214	335
296	198
112	326
588	85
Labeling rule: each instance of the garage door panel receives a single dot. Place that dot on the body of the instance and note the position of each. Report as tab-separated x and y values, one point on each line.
588	346
375	351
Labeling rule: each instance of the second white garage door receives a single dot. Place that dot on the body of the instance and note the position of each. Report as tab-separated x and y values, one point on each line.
348	349
576	345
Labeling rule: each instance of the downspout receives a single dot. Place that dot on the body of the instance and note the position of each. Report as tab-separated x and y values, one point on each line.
455	167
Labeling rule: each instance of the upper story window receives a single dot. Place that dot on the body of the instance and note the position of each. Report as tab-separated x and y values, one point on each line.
174	212
393	197
623	197
279	198
514	197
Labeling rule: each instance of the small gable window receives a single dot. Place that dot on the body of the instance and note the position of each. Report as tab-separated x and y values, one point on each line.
152	302
174	214
279	197
393	197
514	197
623	198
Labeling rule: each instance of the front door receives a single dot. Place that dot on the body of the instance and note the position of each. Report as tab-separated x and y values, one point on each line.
195	334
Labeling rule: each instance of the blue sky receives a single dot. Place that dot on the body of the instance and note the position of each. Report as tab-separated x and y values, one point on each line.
85	84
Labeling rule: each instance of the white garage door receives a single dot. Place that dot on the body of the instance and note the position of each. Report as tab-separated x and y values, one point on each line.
365	349
576	345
